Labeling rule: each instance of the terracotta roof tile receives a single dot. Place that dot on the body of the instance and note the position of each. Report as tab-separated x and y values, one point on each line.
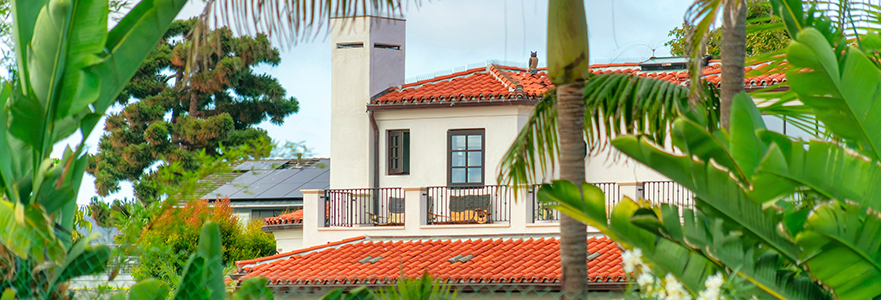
295	217
504	83
492	261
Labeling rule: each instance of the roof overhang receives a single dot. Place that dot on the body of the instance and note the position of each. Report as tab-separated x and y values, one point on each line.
467	287
280	227
451	104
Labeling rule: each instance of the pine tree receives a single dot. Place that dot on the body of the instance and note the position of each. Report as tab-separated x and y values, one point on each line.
166	121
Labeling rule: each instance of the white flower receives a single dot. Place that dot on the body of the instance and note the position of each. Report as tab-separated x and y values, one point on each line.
714	282
645	280
674	288
631	259
708	295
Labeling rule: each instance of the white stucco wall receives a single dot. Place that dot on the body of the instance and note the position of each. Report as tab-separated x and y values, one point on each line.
428	139
288	240
358	74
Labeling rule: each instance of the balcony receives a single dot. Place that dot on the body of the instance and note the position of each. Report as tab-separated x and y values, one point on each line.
669	192
468	205
338	214
364	207
543	214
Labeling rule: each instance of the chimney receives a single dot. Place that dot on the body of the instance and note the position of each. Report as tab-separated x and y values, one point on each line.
367	54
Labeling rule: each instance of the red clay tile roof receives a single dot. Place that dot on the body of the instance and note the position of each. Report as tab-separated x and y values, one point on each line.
361	260
288	218
503	84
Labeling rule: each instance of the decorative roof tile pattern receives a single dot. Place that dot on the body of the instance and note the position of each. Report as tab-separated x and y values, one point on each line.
498	84
295	217
364	261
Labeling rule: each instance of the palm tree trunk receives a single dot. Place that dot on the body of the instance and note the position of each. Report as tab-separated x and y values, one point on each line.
573	234
733	54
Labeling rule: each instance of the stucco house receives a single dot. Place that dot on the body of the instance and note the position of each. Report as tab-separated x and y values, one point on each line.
413	183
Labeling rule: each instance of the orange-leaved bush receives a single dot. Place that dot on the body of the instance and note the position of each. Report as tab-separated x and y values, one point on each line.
175	235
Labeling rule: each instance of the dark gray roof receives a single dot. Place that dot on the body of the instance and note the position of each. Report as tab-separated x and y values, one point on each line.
274	179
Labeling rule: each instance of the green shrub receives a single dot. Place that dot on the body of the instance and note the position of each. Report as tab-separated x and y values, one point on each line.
166	245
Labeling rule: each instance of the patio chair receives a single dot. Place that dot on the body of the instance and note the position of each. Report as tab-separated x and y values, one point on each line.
470	209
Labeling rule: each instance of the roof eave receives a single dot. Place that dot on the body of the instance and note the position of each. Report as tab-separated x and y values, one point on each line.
449	104
461	287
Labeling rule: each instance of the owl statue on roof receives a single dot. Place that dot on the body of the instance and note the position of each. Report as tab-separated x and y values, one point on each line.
533	62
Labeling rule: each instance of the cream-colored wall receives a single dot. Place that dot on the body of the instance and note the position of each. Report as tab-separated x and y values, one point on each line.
358	74
288	240
428	139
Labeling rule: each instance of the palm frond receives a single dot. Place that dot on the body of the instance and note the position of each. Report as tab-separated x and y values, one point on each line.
535	149
619	104
699	18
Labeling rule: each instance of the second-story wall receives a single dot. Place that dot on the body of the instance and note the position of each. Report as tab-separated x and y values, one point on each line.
429	145
429	149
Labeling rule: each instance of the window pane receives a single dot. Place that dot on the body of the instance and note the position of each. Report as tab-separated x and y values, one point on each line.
474	158
394	152
458	142
457	175
474	175
458	159
474	142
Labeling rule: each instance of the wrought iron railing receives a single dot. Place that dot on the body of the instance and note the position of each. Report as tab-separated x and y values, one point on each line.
364	207
468	205
540	212
658	192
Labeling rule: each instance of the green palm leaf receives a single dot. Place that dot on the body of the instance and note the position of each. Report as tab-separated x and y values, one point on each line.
838	92
824	167
842	249
535	149
710	238
690	267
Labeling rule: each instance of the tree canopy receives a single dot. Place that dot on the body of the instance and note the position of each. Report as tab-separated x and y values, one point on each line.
758	42
166	121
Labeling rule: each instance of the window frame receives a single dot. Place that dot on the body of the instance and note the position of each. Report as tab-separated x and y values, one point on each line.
403	167
450	151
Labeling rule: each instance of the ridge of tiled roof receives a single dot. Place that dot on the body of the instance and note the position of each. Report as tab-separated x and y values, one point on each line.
295	217
363	260
505	84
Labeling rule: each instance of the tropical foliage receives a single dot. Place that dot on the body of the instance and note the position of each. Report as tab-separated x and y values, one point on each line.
67	77
758	40
166	245
797	219
202	277
423	288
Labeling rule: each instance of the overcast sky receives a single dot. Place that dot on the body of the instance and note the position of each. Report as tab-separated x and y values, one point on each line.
446	34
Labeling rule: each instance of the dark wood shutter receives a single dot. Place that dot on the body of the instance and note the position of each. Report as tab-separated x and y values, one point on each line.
398	152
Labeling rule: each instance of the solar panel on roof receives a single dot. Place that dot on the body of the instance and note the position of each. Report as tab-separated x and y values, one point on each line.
225	190
249	178
305	175
307	186
280	190
264	181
